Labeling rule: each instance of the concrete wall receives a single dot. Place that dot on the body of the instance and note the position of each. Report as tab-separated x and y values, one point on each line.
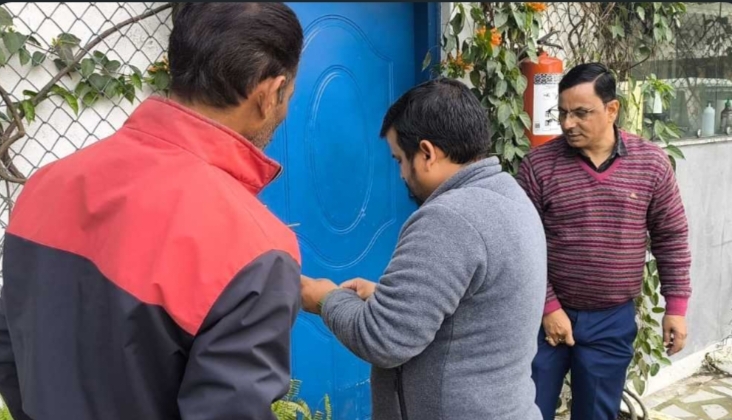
705	180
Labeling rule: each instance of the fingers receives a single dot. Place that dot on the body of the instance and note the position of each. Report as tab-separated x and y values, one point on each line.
666	336
350	284
569	338
677	343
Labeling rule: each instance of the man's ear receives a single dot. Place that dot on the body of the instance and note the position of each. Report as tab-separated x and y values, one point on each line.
429	151
613	109
269	94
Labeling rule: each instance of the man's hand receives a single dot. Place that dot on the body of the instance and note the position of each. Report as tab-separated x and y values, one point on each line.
314	292
558	328
362	287
674	333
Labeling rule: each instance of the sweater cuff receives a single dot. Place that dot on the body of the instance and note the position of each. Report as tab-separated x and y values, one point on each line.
676	305
552	306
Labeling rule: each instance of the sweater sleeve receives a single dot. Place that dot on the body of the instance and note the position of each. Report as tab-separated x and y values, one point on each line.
530	183
429	274
669	234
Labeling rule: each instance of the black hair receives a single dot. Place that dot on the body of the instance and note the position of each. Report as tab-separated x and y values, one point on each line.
445	112
219	52
604	81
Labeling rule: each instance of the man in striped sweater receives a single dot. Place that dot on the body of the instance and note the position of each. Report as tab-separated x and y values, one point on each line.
601	193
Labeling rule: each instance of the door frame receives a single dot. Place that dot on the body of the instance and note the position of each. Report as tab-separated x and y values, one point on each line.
427	25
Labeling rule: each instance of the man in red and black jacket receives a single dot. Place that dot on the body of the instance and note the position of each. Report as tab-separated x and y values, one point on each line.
143	279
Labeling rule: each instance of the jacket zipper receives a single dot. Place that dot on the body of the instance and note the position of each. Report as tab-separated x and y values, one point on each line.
400	394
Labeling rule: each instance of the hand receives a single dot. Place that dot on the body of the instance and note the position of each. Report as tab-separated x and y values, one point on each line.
558	328
314	292
362	287
674	333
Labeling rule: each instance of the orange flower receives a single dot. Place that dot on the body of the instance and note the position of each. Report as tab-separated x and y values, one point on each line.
495	37
536	7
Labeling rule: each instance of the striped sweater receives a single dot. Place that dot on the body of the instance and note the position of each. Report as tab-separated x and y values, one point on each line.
597	225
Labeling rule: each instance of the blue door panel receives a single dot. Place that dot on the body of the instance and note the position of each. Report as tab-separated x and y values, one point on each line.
340	188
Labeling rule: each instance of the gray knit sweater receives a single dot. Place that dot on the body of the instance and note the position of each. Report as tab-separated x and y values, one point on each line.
452	327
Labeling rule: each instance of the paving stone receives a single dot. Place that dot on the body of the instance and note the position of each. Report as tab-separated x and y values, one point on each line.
678	412
700	396
723	389
715	411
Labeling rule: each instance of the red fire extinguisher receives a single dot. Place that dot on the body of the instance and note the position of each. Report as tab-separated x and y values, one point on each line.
541	97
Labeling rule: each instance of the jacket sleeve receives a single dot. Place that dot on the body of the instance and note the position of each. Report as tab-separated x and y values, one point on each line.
9	386
669	232
431	270
239	363
529	182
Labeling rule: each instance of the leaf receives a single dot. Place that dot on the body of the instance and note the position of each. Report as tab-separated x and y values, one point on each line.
475	77
664	361
68	40
90	98
449	43
458	22
98	82
34	41
100	58
617	31
4	117
658	310
136	81
521	84
509	59
24	56
519	17
504	111
526	120
87	67
501	88
655	368
72	101
674	151
128	91
38	58
112	66
500	19
161	80
81	89
137	71
29	110
425	63
490	67
641	13
13	41
112	88
509	151
6	19
30	93
639	385
59	63
65	53
3	59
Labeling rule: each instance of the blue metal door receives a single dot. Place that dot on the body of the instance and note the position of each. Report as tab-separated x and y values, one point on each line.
340	185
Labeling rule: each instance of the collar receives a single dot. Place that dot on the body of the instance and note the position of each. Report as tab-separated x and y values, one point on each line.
215	144
481	169
619	148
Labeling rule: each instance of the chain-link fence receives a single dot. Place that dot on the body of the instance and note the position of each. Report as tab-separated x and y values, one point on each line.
62	126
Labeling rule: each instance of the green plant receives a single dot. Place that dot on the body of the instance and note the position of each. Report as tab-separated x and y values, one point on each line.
499	36
293	408
98	77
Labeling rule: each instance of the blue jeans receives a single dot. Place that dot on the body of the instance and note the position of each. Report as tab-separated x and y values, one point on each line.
598	361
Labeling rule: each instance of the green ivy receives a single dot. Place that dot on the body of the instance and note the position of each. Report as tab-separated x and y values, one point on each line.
99	77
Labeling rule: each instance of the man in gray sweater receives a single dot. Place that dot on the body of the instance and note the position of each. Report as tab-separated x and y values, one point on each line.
450	329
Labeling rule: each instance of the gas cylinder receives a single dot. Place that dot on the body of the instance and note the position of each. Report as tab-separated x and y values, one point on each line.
541	97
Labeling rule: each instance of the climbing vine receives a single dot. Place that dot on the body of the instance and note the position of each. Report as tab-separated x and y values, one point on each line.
97	77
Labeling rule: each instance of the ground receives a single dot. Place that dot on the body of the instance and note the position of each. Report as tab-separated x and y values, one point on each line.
701	397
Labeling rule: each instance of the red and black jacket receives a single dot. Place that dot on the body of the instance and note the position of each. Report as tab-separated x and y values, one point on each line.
143	279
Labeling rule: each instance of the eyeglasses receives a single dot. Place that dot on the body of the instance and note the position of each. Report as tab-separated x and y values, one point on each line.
581	114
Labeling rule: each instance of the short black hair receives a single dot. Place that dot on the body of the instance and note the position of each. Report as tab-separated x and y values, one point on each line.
218	52
591	72
445	112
